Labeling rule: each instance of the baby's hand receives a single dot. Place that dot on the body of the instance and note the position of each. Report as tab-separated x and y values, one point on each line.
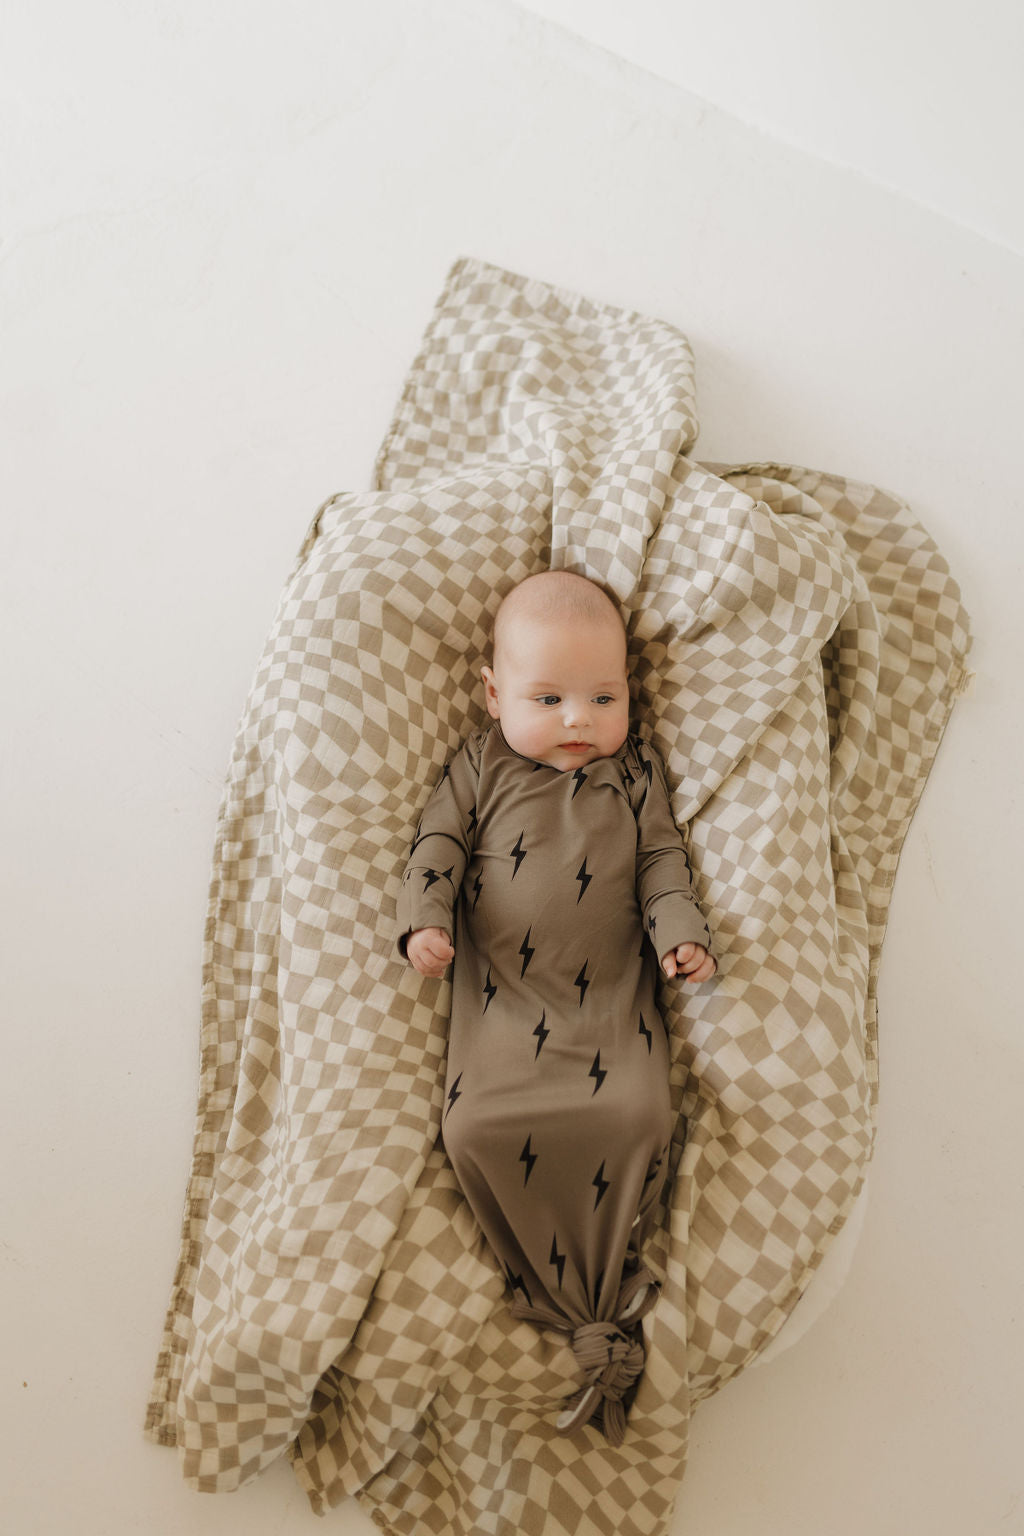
690	961
430	950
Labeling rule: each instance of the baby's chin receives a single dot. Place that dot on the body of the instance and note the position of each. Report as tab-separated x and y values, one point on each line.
566	761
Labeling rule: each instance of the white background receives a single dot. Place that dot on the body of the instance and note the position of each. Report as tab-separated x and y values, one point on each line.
222	230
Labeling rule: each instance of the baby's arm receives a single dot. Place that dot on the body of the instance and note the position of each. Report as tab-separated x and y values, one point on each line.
672	916
437	861
430	950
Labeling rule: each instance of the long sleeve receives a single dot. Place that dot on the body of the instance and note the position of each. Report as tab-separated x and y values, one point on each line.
664	879
441	849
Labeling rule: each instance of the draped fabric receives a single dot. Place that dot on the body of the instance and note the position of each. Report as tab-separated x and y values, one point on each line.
797	643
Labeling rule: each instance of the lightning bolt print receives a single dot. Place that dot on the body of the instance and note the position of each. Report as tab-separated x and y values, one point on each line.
556	1258
432	876
646	1034
541	1034
582	981
598	1073
526	952
489	989
529	1158
453	1094
478	885
518	852
649	775
584	880
581	779
517	1283
601	1184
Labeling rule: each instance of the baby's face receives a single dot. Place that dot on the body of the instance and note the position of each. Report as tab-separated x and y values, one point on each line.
560	691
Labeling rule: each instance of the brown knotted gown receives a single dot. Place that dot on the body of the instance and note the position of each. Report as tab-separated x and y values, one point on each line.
557	1118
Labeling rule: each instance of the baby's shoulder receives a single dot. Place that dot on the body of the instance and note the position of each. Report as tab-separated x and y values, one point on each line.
639	758
474	753
642	770
474	743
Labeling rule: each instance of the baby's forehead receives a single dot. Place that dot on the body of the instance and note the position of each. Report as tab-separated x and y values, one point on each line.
556	597
533	643
547	626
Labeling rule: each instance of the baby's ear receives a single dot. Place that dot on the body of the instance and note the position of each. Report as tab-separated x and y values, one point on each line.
490	692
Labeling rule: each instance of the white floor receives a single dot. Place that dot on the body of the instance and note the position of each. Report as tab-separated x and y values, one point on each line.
223	231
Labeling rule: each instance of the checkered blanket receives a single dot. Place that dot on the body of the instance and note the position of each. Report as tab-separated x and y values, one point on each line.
797	643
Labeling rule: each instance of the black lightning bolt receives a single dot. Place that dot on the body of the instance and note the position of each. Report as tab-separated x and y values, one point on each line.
517	1283
529	1158
453	1094
557	1259
478	885
581	779
490	989
472	821
432	876
541	1034
584	880
526	952
646	1034
652	923
649	771
601	1184
598	1285
654	1168
518	853
597	1072
582	981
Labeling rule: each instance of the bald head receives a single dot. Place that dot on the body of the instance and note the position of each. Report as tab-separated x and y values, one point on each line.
554	596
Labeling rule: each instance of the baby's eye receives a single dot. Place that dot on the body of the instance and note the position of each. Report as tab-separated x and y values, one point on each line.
548	698
604	698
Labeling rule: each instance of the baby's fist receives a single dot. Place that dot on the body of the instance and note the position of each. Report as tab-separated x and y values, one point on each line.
430	951
691	961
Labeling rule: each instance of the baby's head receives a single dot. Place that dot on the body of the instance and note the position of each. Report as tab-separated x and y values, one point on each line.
558	684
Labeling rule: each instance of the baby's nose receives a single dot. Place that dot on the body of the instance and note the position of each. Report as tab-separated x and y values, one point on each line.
577	711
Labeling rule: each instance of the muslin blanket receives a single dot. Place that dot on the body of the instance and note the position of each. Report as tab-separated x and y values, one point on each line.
797	643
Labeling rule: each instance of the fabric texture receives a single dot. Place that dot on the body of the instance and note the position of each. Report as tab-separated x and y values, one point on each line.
797	643
561	891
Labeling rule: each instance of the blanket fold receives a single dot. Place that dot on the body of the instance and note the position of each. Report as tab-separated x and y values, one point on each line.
797	643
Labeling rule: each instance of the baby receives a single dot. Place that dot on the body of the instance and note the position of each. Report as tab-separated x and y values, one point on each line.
548	866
